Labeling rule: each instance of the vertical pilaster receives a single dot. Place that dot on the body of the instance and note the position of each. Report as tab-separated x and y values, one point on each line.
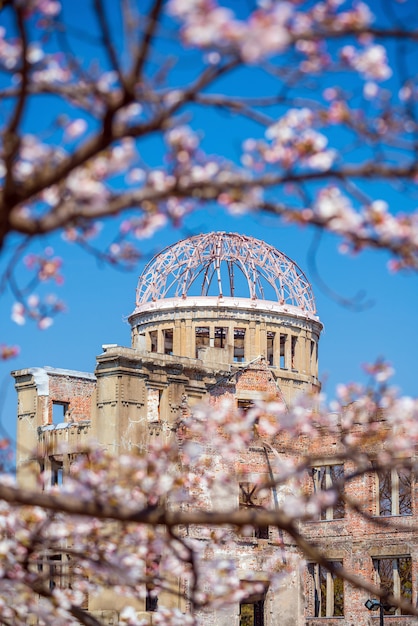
190	340
177	338
160	341
261	347
288	352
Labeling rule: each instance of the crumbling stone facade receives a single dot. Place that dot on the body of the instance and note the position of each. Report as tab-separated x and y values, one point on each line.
186	348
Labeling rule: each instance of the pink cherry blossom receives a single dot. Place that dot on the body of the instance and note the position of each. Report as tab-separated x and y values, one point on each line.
75	128
8	352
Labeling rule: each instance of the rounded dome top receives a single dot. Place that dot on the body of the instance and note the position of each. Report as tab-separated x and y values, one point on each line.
225	264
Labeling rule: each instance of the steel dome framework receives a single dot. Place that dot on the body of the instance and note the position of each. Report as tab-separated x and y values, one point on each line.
220	264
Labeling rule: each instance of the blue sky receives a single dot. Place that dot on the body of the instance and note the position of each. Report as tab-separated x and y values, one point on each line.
99	298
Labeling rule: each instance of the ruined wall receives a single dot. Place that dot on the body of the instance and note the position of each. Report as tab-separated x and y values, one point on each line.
137	400
354	540
53	410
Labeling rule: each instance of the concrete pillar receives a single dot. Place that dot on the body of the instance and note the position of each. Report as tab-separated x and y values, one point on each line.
314	359
276	348
177	338
190	343
261	348
160	341
299	353
182	349
253	341
288	352
257	340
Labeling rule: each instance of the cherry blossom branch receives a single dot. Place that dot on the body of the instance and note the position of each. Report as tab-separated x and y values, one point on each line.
84	617
158	516
142	53
204	190
107	39
11	141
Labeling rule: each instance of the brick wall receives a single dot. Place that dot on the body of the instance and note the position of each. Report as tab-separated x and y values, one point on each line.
74	392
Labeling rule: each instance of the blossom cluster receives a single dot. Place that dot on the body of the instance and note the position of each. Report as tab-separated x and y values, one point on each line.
370	225
169	190
46	267
371	63
48	8
292	141
268	31
208	25
40	310
30	305
8	352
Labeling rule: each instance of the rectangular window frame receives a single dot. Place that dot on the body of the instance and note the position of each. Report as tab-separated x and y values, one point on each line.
153	338
394	575
57	472
283	356
151	600
293	353
323	478
168	339
251	613
271	344
249	499
202	338
252	609
328	591
220	336
239	345
52	568
59	412
392	498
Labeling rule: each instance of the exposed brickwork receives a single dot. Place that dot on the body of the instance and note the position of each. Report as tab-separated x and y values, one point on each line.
257	381
76	392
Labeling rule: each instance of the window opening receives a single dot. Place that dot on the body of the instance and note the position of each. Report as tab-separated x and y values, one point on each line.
55	572
151	595
57	473
239	343
249	497
261	532
153	405
270	347
168	340
59	412
394	575
324	478
202	338
394	491
51	569
245	405
328	591
251	613
313	353
293	352
220	336
153	335
283	364
151	600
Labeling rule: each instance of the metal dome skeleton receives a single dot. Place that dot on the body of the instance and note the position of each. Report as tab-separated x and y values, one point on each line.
221	264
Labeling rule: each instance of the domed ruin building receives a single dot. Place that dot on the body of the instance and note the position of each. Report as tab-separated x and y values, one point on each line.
224	315
206	307
218	313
